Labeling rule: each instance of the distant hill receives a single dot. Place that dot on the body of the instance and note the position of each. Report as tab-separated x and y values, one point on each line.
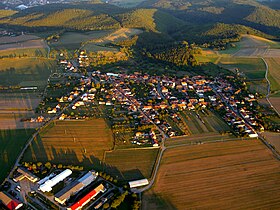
200	21
254	14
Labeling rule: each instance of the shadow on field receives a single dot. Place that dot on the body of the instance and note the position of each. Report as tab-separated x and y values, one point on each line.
152	200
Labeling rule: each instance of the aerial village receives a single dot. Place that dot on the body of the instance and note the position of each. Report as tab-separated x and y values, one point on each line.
147	106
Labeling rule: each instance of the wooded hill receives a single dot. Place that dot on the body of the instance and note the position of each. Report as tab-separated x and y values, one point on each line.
201	21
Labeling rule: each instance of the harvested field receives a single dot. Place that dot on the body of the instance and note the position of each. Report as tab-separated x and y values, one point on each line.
131	164
275	102
23	45
199	138
252	46
11	144
72	142
272	53
274	139
16	39
16	106
228	175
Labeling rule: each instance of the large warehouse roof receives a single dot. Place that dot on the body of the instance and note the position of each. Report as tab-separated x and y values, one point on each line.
47	186
63	195
87	198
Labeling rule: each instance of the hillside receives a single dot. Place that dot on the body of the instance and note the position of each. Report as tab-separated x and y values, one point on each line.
201	21
90	17
257	15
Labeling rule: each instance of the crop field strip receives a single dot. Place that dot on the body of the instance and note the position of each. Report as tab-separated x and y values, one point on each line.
72	142
228	175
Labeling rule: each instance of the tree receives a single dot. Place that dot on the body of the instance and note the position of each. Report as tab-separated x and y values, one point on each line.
106	206
48	165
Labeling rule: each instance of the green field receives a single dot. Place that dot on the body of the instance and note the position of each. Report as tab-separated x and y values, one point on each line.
74	40
77	142
253	68
209	122
25	71
127	3
131	164
27	52
274	73
90	47
11	144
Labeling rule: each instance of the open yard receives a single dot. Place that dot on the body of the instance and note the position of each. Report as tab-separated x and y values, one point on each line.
72	142
25	71
131	164
11	144
228	175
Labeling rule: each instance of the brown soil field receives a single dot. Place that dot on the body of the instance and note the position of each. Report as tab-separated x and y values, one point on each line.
23	45
272	53
228	175
72	142
14	107
13	39
274	139
131	164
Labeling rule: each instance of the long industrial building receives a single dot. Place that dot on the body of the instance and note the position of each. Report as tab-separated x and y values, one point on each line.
9	202
47	186
76	186
25	174
87	198
138	183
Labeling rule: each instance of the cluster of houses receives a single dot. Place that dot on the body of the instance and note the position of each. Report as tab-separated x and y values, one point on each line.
239	108
151	96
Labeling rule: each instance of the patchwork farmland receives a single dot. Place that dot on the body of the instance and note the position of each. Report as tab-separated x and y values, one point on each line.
72	142
228	175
